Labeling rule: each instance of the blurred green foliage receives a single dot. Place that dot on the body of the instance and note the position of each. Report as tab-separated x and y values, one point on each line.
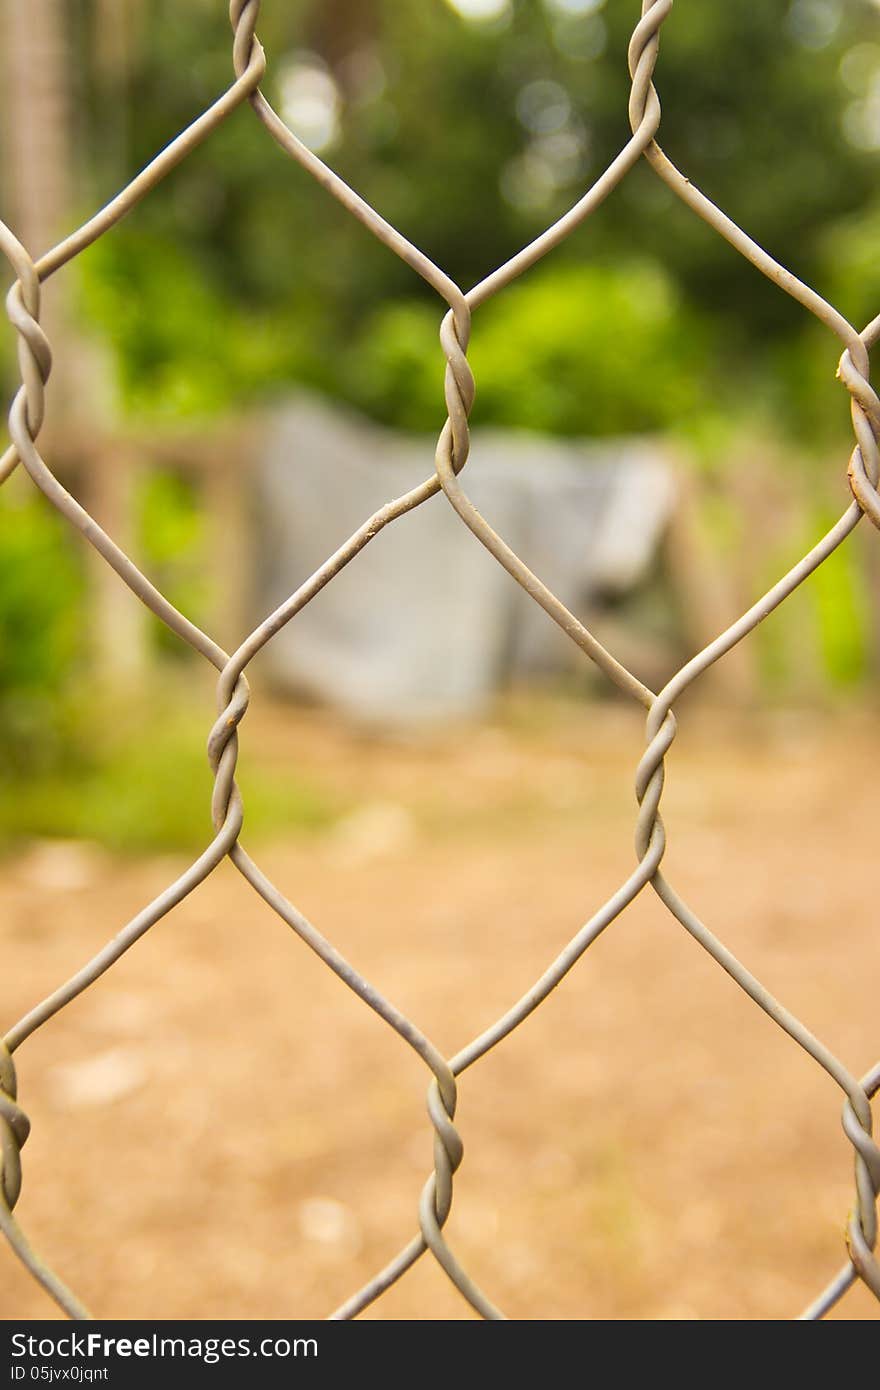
240	277
542	356
111	781
843	616
41	629
242	274
182	346
171	541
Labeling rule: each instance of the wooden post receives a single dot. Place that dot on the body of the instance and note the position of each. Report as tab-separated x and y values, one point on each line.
119	623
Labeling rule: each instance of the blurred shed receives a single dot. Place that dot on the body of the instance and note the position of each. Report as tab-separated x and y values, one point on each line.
424	624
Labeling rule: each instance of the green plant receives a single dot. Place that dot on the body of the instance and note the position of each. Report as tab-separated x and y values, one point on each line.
140	782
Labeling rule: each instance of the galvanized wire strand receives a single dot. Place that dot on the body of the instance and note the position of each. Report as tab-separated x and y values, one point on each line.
650	845
26	418
25	422
847	1276
455	330
459	392
862	1230
863	472
499	1030
14	1130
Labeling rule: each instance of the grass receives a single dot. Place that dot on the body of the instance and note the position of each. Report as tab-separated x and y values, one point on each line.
145	786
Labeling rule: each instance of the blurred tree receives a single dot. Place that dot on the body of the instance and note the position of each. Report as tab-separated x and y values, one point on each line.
37	113
471	124
37	110
340	30
471	136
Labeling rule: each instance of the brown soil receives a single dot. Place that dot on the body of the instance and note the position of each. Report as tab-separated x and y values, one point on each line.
221	1130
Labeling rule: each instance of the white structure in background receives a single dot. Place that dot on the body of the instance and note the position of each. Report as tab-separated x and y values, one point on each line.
424	624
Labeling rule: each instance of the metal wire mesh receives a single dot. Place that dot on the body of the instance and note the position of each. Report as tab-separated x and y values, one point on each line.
25	421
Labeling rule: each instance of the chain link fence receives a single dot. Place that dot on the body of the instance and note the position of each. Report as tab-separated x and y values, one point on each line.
25	421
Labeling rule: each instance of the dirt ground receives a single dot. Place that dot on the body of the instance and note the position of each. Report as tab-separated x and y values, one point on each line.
221	1130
